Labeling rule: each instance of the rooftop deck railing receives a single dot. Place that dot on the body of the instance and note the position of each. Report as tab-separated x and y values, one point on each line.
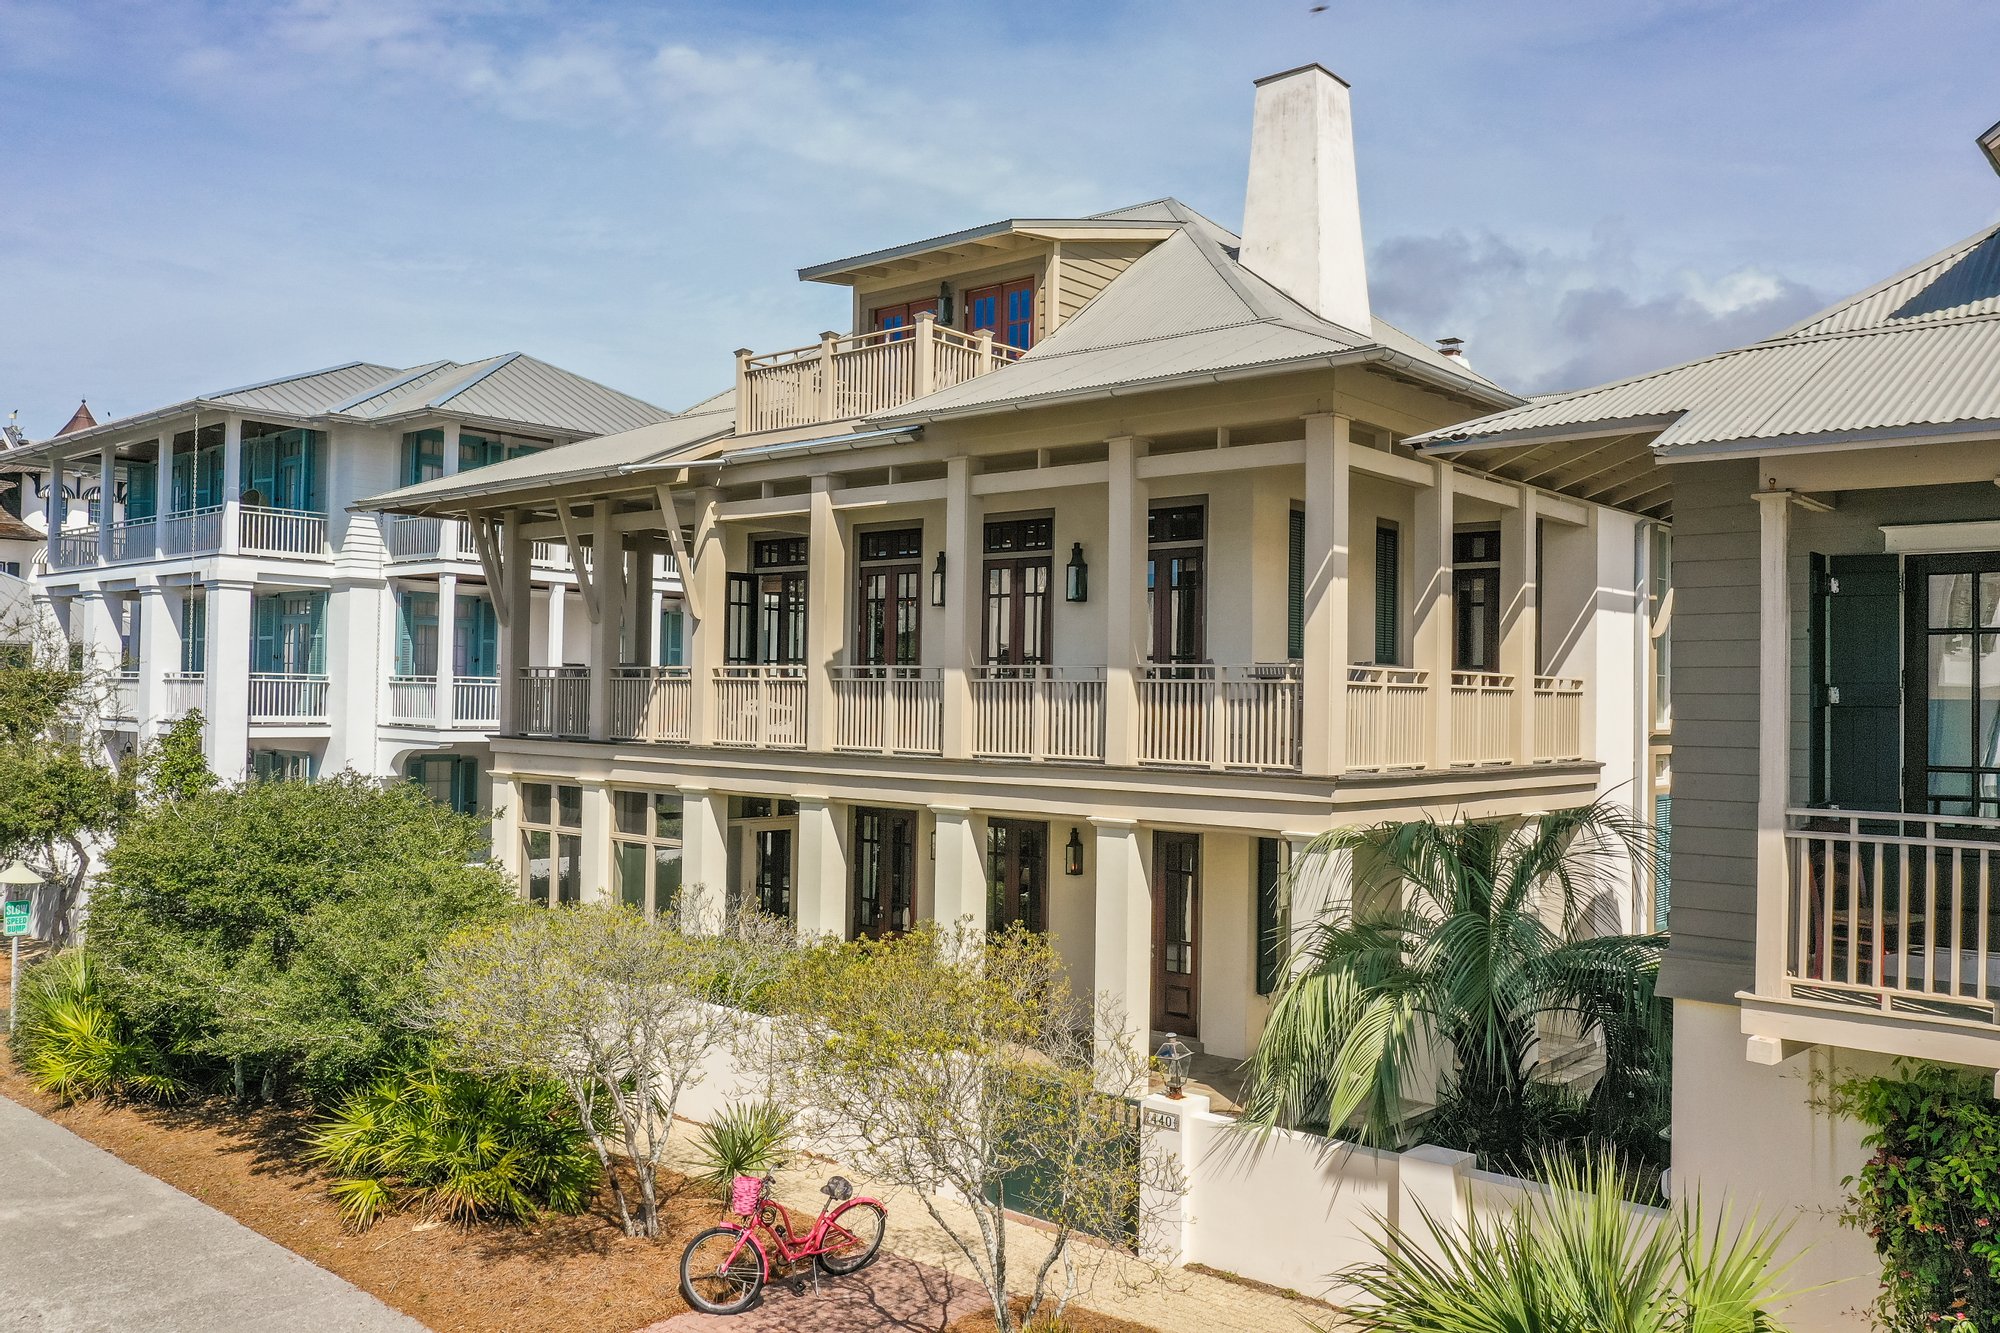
844	376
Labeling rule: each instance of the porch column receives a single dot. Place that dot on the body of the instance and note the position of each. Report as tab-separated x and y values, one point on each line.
516	639
446	711
159	654
704	859
506	822
822	877
226	689
645	615
594	873
963	515
1329	500
1431	636
354	701
107	486
1322	891
1126	622
607	580
707	582
55	509
448	460
1520	627
163	492
959	885
1774	741
556	632
232	484
826	559
1124	935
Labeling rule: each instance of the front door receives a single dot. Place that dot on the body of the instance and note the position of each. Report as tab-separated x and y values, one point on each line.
1017	611
1176	933
885	876
1017	874
766	865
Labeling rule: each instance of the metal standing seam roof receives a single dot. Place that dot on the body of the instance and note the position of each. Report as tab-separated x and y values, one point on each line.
1921	349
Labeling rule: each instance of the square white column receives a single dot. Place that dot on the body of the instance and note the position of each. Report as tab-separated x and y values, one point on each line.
1520	627
1126	609
446	712
595	869
706	581
822	873
1774	736
226	692
607	607
826	627
159	654
515	606
1329	502
958	649
232	484
958	893
704	858
1124	936
1431	638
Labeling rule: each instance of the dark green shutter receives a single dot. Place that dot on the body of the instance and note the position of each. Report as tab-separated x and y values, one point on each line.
1388	586
1855	653
1273	918
1295	587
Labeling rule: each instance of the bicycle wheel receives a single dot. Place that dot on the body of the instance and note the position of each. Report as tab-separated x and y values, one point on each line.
854	1237
722	1271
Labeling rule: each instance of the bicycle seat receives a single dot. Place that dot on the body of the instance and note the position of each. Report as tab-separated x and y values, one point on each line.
837	1189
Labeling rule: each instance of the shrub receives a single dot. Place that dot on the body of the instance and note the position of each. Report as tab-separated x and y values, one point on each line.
1930	1195
456	1146
747	1139
69	1042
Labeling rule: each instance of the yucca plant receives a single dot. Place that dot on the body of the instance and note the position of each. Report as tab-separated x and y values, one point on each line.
458	1147
747	1139
70	1044
1576	1258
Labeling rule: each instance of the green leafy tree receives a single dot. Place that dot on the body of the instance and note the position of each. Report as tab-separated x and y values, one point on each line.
174	768
1467	937
279	930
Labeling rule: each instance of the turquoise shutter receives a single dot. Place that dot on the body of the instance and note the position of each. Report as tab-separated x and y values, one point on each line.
316	664
1388	584
141	492
1295	587
266	632
406	644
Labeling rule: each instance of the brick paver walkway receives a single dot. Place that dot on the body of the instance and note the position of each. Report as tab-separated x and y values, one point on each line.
893	1293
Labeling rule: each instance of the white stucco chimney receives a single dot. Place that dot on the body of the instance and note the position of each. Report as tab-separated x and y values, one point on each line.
1301	210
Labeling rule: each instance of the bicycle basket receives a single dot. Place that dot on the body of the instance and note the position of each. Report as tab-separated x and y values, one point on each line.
746	1195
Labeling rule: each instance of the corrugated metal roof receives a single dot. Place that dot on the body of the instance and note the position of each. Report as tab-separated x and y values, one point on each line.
1922	349
307	395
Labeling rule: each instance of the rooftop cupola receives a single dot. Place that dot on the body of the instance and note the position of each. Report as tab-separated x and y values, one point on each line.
1302	210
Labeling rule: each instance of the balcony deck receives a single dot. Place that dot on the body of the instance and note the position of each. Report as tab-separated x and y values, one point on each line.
845	376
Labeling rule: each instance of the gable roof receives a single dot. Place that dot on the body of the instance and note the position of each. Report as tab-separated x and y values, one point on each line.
1920	351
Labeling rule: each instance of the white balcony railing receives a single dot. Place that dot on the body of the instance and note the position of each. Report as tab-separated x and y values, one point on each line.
852	375
281	531
187	531
1238	717
888	709
475	701
555	701
761	706
652	704
1558	719
278	697
133	539
407	537
412	701
76	548
125	696
1893	913
1038	712
185	692
1483	728
1388	718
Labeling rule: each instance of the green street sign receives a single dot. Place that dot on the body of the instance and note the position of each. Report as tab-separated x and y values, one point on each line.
15	912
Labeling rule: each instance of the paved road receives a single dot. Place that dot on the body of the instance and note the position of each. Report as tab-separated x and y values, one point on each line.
88	1243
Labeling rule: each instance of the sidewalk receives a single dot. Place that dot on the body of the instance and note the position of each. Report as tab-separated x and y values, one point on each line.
90	1244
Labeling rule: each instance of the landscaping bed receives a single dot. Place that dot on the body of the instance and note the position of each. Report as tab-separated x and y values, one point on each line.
569	1274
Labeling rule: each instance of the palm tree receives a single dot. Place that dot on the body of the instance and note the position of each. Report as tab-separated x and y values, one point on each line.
1465	933
1575	1257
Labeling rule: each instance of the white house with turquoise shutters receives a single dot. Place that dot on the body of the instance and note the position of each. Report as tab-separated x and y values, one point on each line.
207	553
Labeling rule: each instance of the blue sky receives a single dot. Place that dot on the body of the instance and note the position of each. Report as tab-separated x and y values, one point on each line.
201	195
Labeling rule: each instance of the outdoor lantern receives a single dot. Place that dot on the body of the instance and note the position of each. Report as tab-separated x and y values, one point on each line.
1175	1056
944	303
1073	853
1077	587
937	581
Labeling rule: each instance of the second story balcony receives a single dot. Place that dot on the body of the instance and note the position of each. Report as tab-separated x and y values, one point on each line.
845	376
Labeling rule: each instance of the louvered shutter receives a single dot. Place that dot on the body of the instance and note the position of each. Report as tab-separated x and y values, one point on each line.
1295	588
1388	585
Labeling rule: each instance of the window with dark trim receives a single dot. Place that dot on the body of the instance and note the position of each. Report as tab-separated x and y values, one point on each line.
1018	609
1176	582
884	871
888	606
1388	594
765	612
1475	600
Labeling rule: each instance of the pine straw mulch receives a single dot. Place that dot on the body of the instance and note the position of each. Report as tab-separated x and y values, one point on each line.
562	1275
1075	1320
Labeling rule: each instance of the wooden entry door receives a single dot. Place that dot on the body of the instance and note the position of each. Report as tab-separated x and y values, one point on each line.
885	872
1018	611
1177	933
1017	874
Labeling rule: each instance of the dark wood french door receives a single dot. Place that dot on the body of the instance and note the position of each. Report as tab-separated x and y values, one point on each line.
888	616
1017	874
1177	933
1018	610
885	876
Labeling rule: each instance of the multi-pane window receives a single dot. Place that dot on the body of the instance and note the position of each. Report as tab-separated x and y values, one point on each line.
767	833
282	765
1018	608
475	639
1274	913
449	779
1005	308
885	877
482	449
1175	582
281	467
766	609
423	455
1017	874
416	633
646	849
903	315
889	606
552	842
1475	599
289	636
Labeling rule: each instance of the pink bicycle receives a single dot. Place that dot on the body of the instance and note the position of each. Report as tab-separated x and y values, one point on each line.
724	1269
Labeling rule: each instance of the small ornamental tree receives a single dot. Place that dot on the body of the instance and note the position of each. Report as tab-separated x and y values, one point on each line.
964	1069
617	1009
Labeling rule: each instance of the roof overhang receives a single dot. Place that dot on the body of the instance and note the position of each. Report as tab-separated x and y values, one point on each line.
1989	143
848	271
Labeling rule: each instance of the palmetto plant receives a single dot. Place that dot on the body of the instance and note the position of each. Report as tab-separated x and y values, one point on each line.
72	1045
1464	936
746	1139
456	1146
1576	1259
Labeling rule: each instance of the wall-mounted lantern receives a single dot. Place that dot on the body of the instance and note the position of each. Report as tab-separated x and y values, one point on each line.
937	581
1076	584
944	303
1073	853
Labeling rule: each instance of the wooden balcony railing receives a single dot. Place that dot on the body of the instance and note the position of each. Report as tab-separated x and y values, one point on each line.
1483	727
412	701
1558	719
125	696
1388	718
281	531
475	701
185	692
133	539
652	704
1038	712
888	709
408	537
187	531
1221	717
763	707
281	696
555	701
1893	913
844	376
76	548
